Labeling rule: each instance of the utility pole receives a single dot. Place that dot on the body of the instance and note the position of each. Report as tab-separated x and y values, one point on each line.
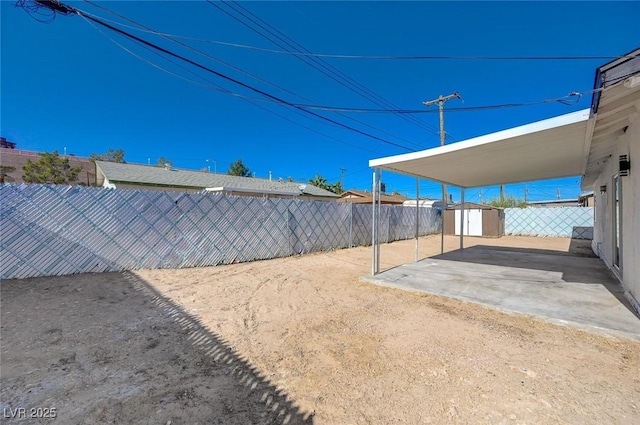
445	201
502	194
440	101
526	194
342	170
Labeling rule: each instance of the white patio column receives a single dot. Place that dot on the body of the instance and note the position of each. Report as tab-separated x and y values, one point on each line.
373	224
417	214
442	210
462	218
379	193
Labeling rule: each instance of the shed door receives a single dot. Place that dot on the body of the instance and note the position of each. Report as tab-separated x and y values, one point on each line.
472	222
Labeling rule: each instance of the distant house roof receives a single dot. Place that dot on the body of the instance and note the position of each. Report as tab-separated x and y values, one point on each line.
135	174
424	202
364	197
555	203
473	206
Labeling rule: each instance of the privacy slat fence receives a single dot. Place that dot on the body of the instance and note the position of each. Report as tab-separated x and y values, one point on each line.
51	230
573	222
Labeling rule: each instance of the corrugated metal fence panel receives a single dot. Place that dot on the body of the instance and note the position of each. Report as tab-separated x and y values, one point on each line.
403	222
49	230
430	221
361	227
317	226
575	222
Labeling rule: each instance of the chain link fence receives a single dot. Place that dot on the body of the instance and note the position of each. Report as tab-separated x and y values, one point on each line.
570	222
49	230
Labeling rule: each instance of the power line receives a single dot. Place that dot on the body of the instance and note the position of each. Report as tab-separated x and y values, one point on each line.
389	104
394	111
371	57
186	46
233	80
211	86
272	34
361	170
564	99
215	87
149	30
318	64
299	106
570	99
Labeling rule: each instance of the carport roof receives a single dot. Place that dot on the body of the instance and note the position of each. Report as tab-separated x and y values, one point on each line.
552	148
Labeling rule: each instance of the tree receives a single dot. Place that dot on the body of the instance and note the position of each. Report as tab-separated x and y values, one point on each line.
4	172
336	188
239	169
50	168
322	183
509	201
319	181
112	155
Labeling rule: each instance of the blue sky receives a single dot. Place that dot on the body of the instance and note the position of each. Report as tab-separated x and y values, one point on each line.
65	85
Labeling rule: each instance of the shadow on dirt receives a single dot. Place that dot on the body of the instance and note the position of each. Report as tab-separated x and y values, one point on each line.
109	348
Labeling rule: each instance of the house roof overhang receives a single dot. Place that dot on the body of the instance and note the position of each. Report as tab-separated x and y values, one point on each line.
551	148
616	105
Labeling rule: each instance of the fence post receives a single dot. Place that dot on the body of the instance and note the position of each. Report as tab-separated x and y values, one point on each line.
351	225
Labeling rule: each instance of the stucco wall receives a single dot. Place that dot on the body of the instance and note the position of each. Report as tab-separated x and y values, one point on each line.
628	144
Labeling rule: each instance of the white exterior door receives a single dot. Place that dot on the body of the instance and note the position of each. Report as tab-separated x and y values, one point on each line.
472	222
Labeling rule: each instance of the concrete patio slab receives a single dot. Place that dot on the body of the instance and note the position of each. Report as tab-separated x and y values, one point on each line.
575	290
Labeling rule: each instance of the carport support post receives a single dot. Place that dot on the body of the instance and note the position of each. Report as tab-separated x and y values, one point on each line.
379	192
374	223
417	214
443	207
462	218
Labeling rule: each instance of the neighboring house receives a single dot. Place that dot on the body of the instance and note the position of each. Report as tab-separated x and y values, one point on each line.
364	197
134	176
587	199
425	203
17	159
554	203
601	144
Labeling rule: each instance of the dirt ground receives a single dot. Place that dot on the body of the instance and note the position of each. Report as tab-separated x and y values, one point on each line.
298	340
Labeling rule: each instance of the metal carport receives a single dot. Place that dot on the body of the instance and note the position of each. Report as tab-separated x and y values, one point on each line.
552	148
